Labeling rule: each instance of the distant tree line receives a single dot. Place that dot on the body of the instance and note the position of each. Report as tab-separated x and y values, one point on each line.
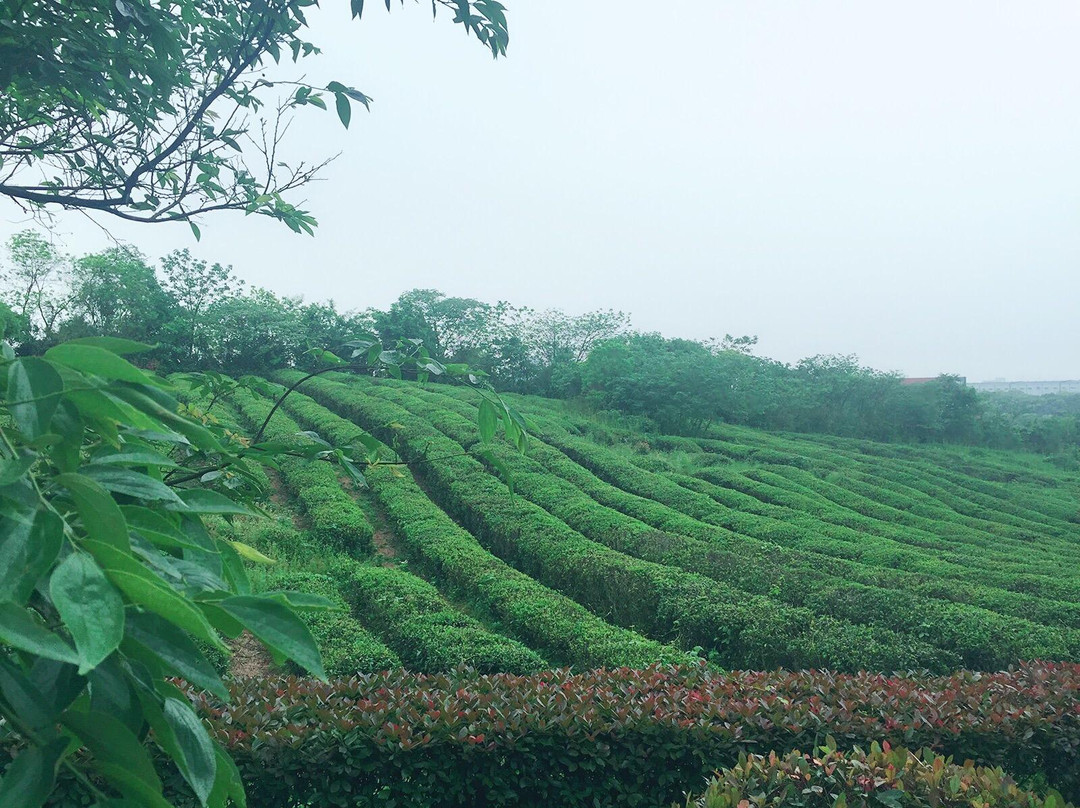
199	314
203	317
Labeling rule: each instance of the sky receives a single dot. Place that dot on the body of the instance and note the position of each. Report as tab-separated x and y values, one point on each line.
900	181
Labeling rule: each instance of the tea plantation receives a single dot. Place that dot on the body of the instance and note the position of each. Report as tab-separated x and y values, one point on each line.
901	573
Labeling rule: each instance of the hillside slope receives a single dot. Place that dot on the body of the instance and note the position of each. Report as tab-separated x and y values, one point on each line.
752	549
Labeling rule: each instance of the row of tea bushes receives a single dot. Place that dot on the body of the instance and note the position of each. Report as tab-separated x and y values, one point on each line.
556	626
872	517
302	564
429	635
664	602
980	638
620	737
1045	609
407	614
964	584
799	532
336	519
884	776
347	646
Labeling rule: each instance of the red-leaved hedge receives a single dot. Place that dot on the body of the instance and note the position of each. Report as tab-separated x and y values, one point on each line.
626	737
879	778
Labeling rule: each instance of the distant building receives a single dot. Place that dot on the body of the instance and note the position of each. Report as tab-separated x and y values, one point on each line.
1031	388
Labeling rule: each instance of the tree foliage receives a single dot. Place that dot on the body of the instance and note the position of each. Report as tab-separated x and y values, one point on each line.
161	112
110	579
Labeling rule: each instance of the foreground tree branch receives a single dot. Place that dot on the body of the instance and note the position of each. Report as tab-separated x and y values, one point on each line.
147	112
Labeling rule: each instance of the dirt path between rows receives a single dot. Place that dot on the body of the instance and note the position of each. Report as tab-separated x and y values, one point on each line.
250	660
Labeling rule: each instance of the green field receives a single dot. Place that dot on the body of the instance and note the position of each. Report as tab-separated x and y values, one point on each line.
750	549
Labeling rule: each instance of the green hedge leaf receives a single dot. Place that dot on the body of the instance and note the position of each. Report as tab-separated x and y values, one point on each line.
100	514
19	630
92	609
278	627
33	393
29	779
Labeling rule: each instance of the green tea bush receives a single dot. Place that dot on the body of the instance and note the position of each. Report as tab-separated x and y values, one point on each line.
336	519
559	628
347	646
626	737
425	630
665	602
979	638
884	776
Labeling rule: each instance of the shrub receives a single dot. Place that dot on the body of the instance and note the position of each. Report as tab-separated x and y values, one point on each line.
336	520
429	634
893	778
564	631
619	737
347	647
664	602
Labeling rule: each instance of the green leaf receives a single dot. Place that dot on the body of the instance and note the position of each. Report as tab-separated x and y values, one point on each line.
91	608
488	419
152	635
302	601
221	619
148	591
200	500
36	710
228	784
250	553
233	569
157	528
112	692
344	108
99	362
109	740
194	751
101	516
101	408
33	393
115	345
12	470
278	627
131	482
147	401
30	778
27	552
138	792
19	630
195	230
136	456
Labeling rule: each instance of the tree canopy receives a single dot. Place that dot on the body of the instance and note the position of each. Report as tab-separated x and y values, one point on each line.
161	112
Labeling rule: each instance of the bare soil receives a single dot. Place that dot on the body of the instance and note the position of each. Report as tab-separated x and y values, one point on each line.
250	660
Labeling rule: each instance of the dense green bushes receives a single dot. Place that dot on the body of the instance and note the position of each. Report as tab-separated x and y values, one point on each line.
347	646
982	639
336	520
418	623
562	630
618	737
883	776
665	602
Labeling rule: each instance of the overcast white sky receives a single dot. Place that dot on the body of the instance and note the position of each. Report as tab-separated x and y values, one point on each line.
896	180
